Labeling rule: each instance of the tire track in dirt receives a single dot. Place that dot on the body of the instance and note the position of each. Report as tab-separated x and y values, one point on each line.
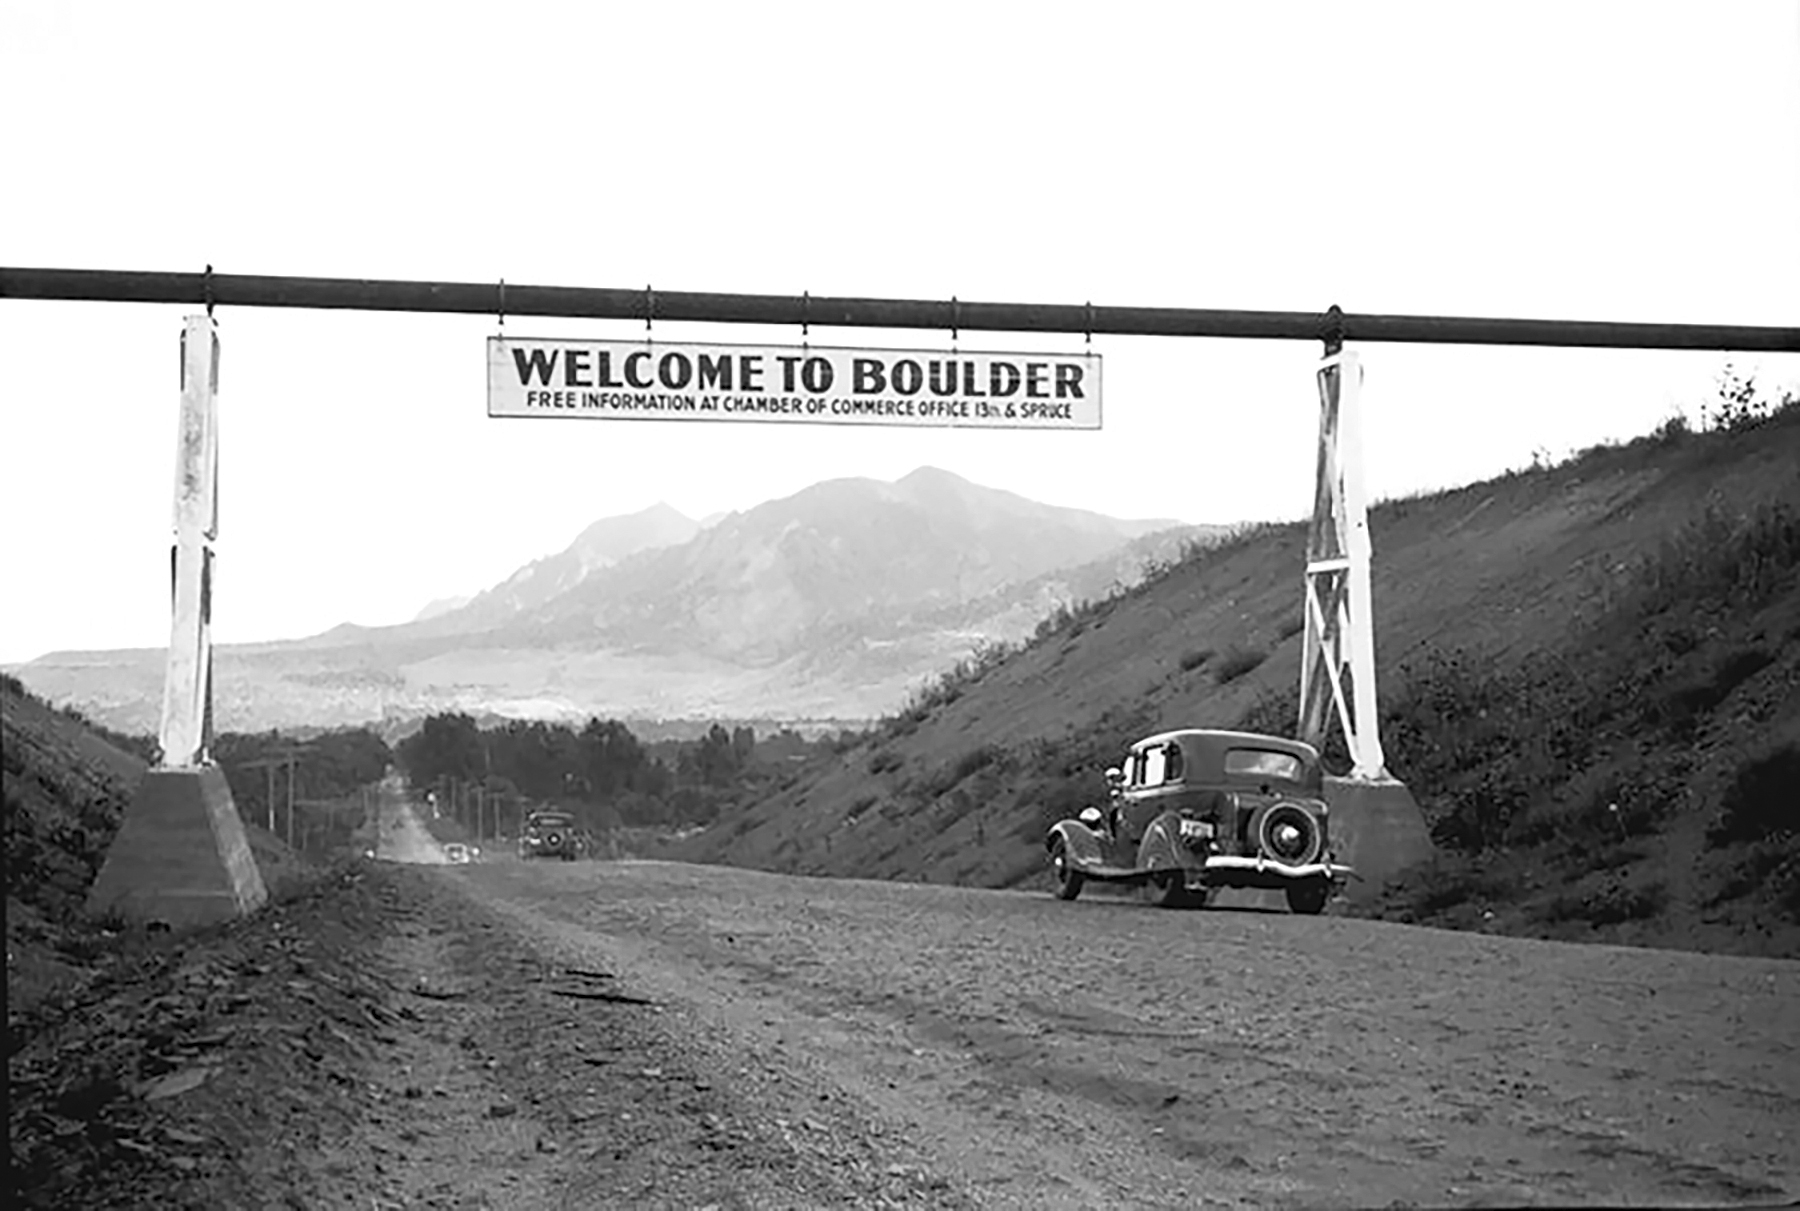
543	1083
1107	1053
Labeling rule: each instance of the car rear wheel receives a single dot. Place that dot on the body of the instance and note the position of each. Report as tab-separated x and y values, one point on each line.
1068	879
1308	898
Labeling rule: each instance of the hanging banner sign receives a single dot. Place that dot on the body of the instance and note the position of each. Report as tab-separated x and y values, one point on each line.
654	380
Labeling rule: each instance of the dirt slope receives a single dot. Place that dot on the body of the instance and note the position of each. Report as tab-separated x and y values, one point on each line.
1501	575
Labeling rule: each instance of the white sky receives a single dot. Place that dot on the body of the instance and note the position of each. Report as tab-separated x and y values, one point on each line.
1623	161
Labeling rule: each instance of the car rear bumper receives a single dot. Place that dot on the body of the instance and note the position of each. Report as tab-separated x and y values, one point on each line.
1222	870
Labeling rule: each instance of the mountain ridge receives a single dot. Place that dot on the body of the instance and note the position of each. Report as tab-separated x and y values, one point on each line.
832	601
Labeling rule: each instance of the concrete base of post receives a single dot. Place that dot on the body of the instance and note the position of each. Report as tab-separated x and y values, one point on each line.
181	857
1377	828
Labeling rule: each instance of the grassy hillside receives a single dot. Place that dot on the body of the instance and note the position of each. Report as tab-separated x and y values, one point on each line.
1589	679
66	786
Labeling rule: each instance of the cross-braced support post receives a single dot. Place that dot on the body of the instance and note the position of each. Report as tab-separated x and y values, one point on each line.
1337	668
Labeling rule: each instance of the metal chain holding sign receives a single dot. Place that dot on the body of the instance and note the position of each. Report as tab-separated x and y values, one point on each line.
1337	669
186	733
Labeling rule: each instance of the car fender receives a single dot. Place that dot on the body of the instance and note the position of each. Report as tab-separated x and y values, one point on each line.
1082	844
1159	850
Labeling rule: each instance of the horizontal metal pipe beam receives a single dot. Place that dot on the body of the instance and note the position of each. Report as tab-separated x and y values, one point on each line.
584	302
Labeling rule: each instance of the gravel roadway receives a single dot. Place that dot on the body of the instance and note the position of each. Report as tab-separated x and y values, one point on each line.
1107	1053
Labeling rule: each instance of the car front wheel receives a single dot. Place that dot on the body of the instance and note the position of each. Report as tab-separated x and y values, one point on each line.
1308	898
1068	879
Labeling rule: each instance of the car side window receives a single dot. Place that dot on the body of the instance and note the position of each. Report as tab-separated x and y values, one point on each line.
1137	768
1173	763
1154	766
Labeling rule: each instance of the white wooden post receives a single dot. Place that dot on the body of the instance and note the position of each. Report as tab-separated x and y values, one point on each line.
186	734
181	856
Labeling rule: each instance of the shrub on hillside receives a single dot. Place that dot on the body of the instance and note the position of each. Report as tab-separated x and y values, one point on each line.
1770	866
1672	431
1059	617
1446	883
1476	740
1235	663
1688	699
952	807
947	776
975	759
1763	799
1596	813
1719	557
945	689
1784	885
1195	552
1740	407
1193	659
1616	899
1612	856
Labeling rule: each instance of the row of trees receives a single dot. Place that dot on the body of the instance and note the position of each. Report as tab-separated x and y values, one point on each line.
601	769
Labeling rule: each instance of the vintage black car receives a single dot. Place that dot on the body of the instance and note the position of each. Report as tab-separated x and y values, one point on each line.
1196	810
549	834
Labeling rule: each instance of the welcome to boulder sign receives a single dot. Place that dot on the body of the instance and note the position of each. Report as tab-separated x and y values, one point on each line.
645	380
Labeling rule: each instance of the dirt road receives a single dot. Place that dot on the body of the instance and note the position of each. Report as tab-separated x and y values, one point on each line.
1107	1053
400	836
511	1034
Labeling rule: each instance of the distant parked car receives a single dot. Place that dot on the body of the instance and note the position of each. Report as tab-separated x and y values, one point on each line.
550	834
1195	810
456	851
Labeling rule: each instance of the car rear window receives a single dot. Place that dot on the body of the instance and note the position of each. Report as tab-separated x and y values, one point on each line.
1262	763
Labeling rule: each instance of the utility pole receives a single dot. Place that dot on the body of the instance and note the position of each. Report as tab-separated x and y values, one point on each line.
288	757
